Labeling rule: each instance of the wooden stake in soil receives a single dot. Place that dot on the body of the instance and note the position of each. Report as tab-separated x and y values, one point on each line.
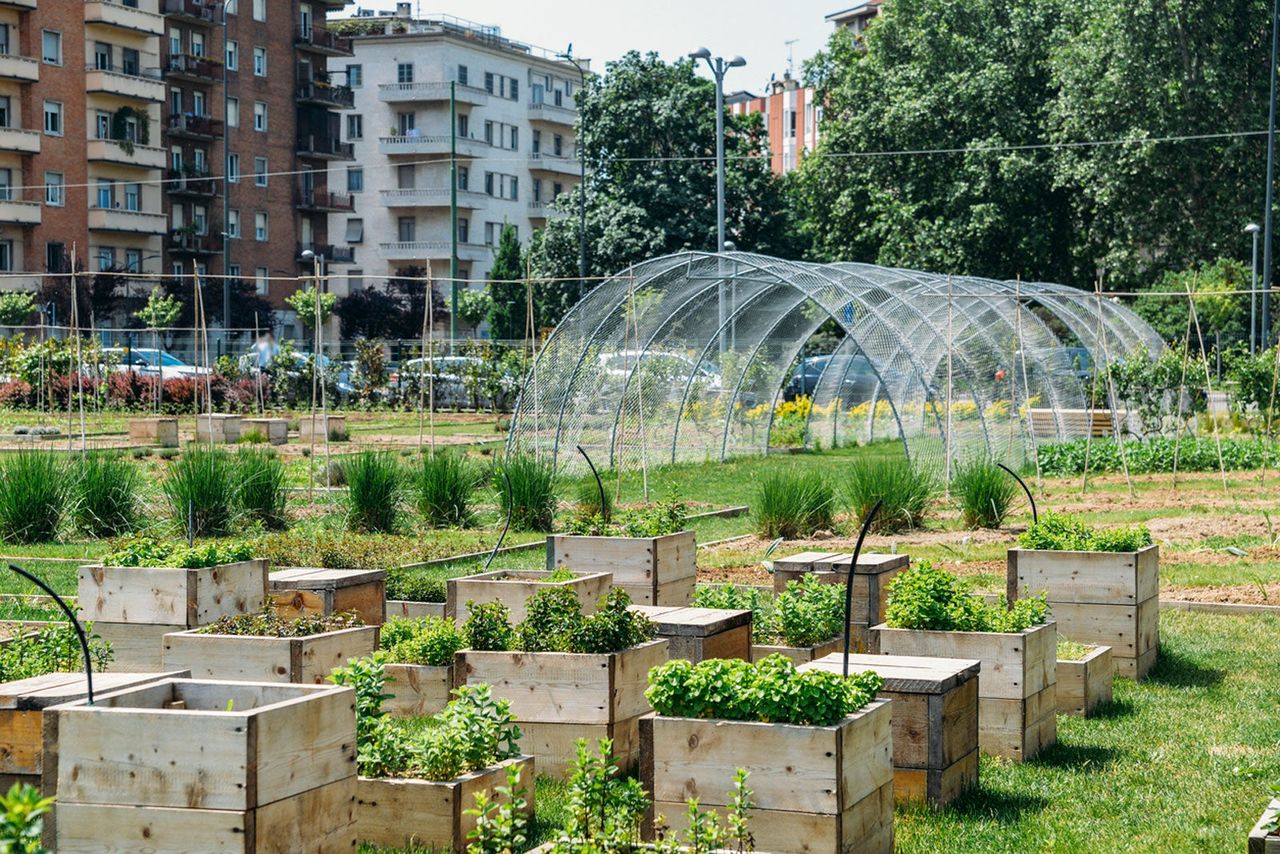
1111	396
1208	379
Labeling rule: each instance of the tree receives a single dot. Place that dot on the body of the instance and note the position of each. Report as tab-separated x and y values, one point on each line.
16	307
508	311
161	311
473	307
303	301
394	310
1219	311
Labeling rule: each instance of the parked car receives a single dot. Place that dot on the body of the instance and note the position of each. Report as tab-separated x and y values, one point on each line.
300	365
858	380
448	381
150	361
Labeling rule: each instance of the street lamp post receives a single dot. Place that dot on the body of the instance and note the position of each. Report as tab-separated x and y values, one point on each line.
1271	177
1253	228
568	57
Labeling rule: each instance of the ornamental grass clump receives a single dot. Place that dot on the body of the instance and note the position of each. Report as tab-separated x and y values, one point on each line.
924	597
905	489
429	641
1063	532
986	492
554	622
260	487
771	690
201	491
444	485
531	501
34	495
794	503
374	483
106	494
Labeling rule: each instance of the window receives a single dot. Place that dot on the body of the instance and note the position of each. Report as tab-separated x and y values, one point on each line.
233	223
106	194
355	76
260	171
176	269
133	260
355	126
355	179
405	177
133	197
464	230
175	41
6	117
55	195
259	10
515	138
51	47
197	44
130	61
260	281
260	116
260	62
6	185
405	229
404	72
557	145
233	112
201	158
102	56
537	142
488	132
101	125
229	6
4	38
106	258
200	219
515	89
462	74
537	189
488	82
355	280
233	270
406	123
464	125
355	230
233	56
175	159
501	186
490	229
6	255
233	168
463	174
260	226
175	101
53	118
556	189
198	104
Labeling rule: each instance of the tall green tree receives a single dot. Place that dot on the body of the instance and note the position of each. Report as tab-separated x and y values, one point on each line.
1222	307
508	311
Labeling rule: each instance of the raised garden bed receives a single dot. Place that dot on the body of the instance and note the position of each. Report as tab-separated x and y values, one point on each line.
653	570
219	429
181	764
1084	683
333	427
696	634
513	588
411	610
301	590
1264	839
162	432
871	579
418	665
276	430
798	654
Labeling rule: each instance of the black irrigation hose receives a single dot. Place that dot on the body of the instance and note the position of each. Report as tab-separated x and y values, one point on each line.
599	483
84	641
1035	516
510	508
848	585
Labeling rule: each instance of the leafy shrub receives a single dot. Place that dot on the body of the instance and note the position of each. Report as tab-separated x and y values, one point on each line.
923	597
268	624
1062	532
53	649
794	504
373	491
336	474
488	626
1155	454
427	640
809	612
531	504
253	436
33	496
444	486
771	690
986	492
552	616
501	823
146	551
657	520
23	823
260	492
734	598
415	586
204	481
106	486
554	622
906	489
613	627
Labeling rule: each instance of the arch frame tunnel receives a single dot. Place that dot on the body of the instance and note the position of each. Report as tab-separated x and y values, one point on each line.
690	357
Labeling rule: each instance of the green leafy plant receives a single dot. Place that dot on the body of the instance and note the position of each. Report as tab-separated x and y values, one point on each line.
925	597
772	690
16	307
605	807
1062	532
658	520
1069	650
793	504
488	626
531	502
985	490
33	496
268	624
253	436
146	551
426	640
764	627
560	574
554	622
106	487
374	484
501	823
55	648
613	627
261	485
551	618
906	490
303	301
161	311
809	612
415	586
444	486
202	483
24	811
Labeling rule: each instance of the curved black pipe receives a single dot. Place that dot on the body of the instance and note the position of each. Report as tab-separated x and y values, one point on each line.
84	641
510	506
1035	516
848	585
599	484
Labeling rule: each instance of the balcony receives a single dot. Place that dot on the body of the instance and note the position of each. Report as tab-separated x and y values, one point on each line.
552	114
126	154
323	147
183	242
200	185
326	95
332	254
14	212
128	222
195	11
21	140
24	69
320	41
419	145
140	85
112	13
324	201
197	69
429	250
21	5
404	93
431	197
556	165
190	126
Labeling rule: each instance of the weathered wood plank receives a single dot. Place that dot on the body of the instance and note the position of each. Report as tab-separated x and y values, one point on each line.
653	570
514	589
1085	684
417	689
170	595
259	659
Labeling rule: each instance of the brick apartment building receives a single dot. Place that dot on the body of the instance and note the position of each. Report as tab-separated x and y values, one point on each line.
791	119
122	117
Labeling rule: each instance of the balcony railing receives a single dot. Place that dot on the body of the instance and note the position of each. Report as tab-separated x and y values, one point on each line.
431	90
188	243
145	84
323	200
189	65
192	125
207	11
325	94
197	184
115	14
322	41
326	147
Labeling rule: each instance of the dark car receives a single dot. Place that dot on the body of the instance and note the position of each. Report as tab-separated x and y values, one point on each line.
857	379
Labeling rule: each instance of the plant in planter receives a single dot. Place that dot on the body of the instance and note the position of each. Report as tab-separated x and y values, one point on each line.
513	588
568	675
804	731
418	662
1103	585
804	622
650	552
416	773
1084	677
263	647
23	821
414	593
932	613
1265	836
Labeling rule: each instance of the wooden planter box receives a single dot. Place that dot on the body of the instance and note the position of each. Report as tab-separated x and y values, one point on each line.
134	607
815	789
417	689
399	812
935	721
1106	598
653	570
1261	840
1017	692
1085	684
336	425
560	697
412	610
798	654
513	588
275	429
182	764
245	657
871	579
303	590
218	429
154	431
695	634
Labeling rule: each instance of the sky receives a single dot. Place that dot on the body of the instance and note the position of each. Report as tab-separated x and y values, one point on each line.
601	30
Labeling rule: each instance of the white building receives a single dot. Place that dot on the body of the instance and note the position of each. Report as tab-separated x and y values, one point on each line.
514	145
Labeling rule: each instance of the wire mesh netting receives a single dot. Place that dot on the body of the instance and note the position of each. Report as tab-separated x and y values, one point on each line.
688	358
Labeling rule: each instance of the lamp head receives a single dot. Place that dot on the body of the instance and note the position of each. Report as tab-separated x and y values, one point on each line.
308	255
700	53
1252	228
737	62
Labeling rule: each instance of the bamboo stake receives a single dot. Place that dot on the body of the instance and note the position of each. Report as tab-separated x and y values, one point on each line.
1026	386
1111	398
1208	379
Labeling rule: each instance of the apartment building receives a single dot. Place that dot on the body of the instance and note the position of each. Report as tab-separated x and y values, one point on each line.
513	133
791	118
857	16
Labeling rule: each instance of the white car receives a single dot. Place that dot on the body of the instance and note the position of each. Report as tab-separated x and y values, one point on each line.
149	361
